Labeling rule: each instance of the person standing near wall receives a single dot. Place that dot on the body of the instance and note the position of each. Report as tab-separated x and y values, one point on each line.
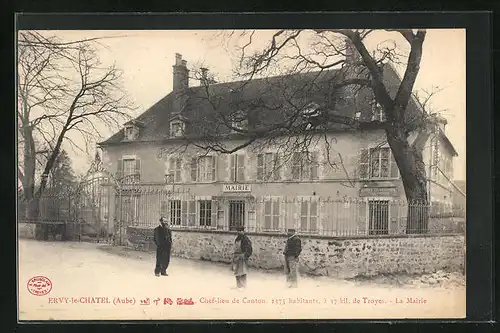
293	248
163	241
242	251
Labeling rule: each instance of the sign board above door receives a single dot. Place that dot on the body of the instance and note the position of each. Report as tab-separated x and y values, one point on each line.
378	192
235	188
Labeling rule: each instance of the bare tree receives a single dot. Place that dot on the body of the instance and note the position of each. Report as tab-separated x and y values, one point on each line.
306	109
64	95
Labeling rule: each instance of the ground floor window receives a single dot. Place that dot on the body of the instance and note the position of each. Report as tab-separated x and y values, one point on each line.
309	216
236	214
190	212
205	213
184	212
272	214
175	212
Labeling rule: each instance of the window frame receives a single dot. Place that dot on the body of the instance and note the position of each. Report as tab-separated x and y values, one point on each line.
129	132
212	166
173	217
240	124
237	171
209	215
272	215
389	201
180	123
268	175
378	113
175	168
131	161
308	216
305	166
378	152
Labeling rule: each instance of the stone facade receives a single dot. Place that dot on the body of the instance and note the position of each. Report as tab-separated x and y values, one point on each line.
339	257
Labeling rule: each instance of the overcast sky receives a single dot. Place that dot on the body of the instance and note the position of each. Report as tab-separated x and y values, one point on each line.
146	58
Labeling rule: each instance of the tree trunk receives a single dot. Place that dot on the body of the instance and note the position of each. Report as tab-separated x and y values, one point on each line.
412	169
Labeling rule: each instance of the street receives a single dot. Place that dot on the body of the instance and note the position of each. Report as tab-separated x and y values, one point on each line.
98	282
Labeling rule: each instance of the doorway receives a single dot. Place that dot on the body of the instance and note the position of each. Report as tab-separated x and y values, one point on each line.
378	217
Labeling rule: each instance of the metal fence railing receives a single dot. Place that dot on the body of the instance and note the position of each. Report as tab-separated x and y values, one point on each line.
108	210
316	216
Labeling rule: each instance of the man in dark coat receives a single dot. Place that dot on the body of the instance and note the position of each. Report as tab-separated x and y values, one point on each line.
293	248
163	241
242	251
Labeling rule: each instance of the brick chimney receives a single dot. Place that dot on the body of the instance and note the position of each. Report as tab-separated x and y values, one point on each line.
204	77
181	73
442	122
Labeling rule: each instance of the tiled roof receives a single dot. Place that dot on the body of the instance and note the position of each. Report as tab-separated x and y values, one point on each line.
266	101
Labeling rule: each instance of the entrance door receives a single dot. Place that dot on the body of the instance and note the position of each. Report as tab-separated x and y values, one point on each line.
379	217
236	214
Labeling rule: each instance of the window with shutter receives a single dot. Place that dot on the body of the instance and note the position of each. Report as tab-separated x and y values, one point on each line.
175	212
296	166
138	169
241	168
214	168
184	213
171	168
304	211
268	166
364	162
175	169
194	169
131	170
276	215
267	215
394	167
206	168
191	213
260	167
164	208
233	167
119	169
313	160
305	165
271	214
205	213
376	163
276	167
309	216
214	210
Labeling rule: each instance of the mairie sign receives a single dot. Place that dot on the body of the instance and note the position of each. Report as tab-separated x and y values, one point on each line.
236	188
378	192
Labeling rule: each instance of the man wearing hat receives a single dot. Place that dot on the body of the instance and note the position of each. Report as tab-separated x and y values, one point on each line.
292	251
163	241
242	251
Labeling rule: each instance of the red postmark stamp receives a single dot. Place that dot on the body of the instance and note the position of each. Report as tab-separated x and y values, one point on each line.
39	285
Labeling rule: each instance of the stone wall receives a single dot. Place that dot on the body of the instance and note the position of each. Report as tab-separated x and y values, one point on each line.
26	230
342	258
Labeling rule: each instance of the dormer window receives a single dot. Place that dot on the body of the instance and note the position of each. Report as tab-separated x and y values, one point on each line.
311	110
377	111
239	122
131	132
176	128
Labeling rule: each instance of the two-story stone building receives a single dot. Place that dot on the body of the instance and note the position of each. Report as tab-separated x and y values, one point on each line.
345	179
